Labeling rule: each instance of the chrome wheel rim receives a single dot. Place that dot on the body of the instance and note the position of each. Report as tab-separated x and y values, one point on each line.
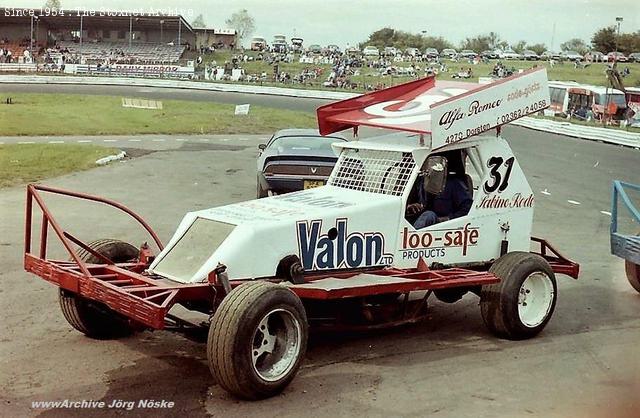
276	345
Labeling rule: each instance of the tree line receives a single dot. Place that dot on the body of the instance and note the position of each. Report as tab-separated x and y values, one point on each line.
604	40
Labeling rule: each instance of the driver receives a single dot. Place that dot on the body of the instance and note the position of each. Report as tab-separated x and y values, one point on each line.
454	201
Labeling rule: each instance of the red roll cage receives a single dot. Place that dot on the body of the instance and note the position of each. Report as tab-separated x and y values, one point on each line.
146	299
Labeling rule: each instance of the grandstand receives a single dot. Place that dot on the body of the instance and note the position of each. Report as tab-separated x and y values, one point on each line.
122	52
97	36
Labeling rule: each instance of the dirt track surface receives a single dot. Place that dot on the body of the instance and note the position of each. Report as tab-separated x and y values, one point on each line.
585	363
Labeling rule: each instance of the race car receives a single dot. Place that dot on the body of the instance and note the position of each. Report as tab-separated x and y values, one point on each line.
346	255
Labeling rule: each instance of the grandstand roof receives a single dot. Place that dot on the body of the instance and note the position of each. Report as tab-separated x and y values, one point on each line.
70	19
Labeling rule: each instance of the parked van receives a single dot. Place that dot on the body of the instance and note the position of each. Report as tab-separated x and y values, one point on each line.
296	45
258	43
559	94
603	101
633	98
568	96
279	44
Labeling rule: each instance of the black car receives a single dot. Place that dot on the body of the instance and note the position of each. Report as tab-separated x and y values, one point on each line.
295	159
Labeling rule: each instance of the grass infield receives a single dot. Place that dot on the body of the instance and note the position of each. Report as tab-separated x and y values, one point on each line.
25	163
36	114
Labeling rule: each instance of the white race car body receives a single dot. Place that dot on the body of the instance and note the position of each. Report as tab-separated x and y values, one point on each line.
371	230
358	219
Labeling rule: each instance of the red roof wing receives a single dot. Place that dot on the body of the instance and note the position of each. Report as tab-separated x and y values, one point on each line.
460	110
350	113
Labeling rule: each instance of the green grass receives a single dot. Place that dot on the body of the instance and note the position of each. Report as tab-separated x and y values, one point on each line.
24	163
593	74
68	114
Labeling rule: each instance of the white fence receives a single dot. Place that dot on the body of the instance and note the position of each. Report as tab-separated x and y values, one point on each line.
17	67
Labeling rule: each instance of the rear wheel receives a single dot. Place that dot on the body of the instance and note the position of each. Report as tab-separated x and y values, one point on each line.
261	192
92	318
257	339
521	305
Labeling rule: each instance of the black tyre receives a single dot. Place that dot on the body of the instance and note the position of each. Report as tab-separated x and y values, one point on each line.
520	306
262	187
633	273
257	339
92	318
261	192
115	250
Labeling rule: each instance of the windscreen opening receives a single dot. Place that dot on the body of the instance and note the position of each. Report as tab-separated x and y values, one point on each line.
193	249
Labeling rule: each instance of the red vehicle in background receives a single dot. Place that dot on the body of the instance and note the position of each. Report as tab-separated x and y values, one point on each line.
617	56
567	97
633	98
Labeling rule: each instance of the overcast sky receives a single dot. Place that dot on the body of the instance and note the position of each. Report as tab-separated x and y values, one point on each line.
351	21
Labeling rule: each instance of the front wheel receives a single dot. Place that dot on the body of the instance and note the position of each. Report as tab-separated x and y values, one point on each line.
257	339
521	305
92	318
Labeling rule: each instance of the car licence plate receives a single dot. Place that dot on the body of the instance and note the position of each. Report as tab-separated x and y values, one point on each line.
310	184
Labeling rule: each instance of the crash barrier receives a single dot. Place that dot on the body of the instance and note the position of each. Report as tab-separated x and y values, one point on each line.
594	133
141	103
176	84
18	67
612	136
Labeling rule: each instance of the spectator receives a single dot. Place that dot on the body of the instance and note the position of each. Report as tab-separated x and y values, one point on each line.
589	115
580	113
